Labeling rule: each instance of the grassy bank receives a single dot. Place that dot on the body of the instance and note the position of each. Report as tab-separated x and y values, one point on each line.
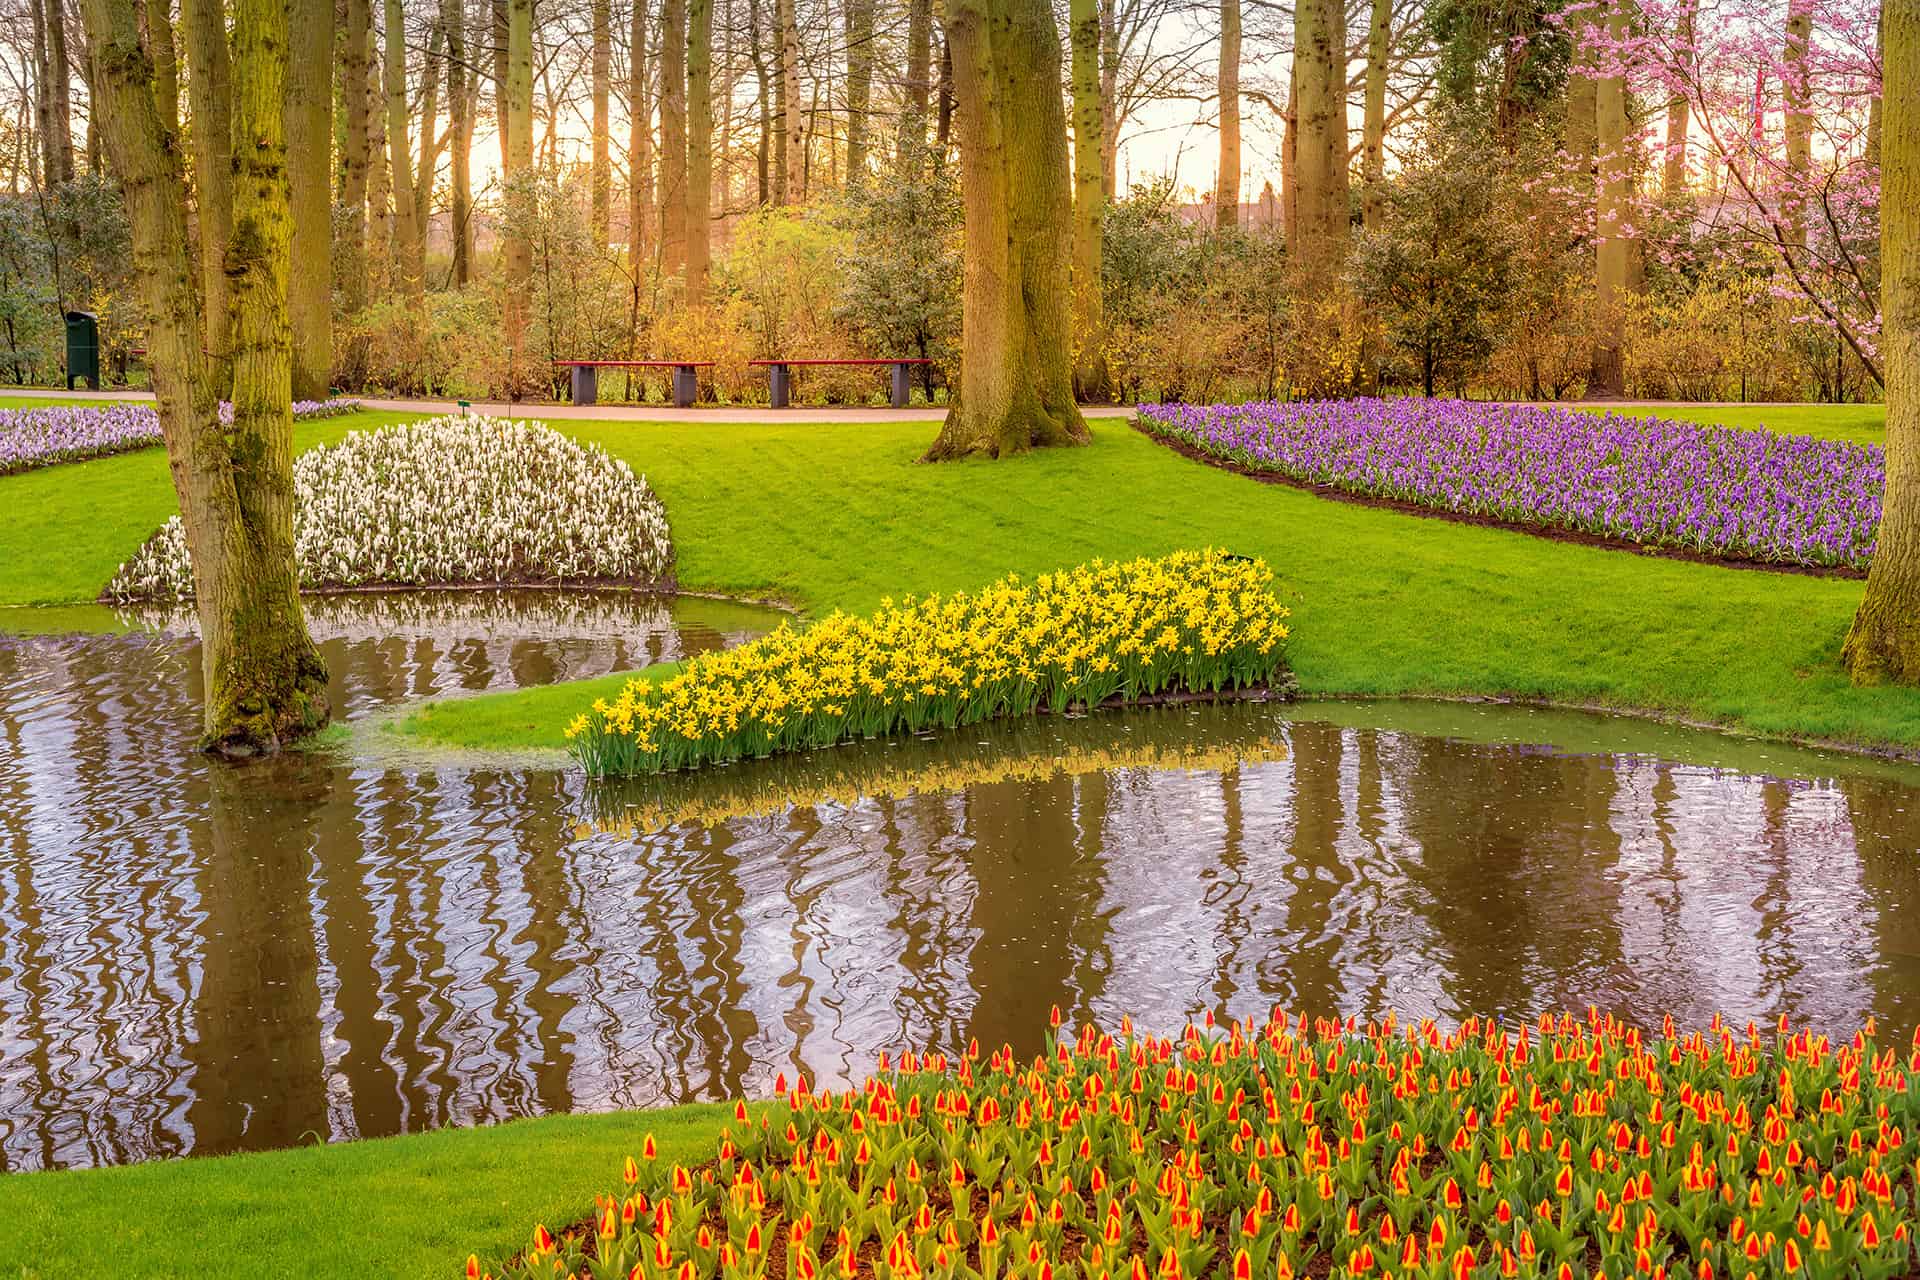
408	1208
841	516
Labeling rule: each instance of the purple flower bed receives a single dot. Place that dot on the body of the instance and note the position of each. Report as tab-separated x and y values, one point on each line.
32	438
1719	491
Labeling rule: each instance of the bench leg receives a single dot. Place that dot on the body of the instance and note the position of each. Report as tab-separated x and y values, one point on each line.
901	392
586	384
779	386
686	385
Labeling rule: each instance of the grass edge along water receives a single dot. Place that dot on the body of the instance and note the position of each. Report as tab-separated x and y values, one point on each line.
1192	622
1268	1150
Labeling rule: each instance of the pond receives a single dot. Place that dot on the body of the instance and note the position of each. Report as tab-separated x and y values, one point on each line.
201	958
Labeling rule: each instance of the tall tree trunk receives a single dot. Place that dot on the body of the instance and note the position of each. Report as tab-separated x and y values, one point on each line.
1373	128
1799	120
793	125
265	683
1673	180
209	100
602	177
1613	251
1015	389
309	133
763	100
1226	193
859	87
699	148
673	136
43	94
501	23
1090	375
431	140
166	66
516	251
1582	133
1884	643
460	102
1110	96
1874	125
639	145
59	137
919	82
406	224
1320	152
943	103
1290	162
354	157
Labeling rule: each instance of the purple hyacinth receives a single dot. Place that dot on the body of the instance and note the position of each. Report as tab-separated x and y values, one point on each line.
1718	491
32	438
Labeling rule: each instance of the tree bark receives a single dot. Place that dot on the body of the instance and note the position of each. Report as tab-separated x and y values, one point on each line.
1321	149
460	103
58	138
639	145
859	87
1290	161
1090	374
309	134
602	175
1582	131
209	101
699	148
1015	390
793	124
353	159
516	251
166	65
379	178
265	681
673	136
1613	192
1226	194
943	103
1373	128
406	222
1673	180
1884	642
1799	119
919	82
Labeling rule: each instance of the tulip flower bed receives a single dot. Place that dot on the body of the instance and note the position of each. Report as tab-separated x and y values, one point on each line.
1713	491
1572	1147
1194	621
32	438
453	501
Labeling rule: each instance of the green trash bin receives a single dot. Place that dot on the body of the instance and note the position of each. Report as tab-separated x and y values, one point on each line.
83	349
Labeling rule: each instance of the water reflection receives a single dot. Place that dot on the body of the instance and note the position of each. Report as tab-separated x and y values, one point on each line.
200	958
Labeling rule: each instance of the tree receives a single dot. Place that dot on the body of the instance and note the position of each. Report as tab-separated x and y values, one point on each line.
461	89
406	220
1884	642
793	129
1320	159
209	107
673	135
1373	129
1091	377
1226	194
517	134
353	156
1437	270
602	22
310	183
1015	389
859	88
1612	248
265	682
699	147
639	148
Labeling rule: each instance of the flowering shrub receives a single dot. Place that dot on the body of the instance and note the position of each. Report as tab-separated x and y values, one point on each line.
1194	620
1713	490
32	438
1572	1147
445	502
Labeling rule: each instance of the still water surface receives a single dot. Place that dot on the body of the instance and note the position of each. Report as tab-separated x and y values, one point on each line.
195	957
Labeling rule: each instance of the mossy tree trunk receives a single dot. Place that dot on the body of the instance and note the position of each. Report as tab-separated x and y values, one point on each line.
355	41
1320	148
1091	378
264	678
1015	390
310	180
209	109
1884	644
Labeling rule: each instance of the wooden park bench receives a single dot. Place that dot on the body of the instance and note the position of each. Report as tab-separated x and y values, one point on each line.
780	377
586	379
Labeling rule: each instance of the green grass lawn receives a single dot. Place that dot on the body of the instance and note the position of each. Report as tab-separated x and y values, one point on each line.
1859	423
409	1208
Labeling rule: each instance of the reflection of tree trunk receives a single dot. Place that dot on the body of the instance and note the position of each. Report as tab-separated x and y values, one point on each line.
1318	876
1885	833
259	1067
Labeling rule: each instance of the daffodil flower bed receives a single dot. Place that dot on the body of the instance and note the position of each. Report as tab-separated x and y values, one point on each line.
1573	1147
1193	621
449	502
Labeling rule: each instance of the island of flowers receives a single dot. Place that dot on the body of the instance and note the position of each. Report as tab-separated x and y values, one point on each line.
1718	491
449	502
32	438
1193	621
1264	1151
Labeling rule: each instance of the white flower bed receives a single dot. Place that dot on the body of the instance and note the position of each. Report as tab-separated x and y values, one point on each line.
448	502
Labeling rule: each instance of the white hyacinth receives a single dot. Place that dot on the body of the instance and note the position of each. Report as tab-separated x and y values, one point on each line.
448	502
